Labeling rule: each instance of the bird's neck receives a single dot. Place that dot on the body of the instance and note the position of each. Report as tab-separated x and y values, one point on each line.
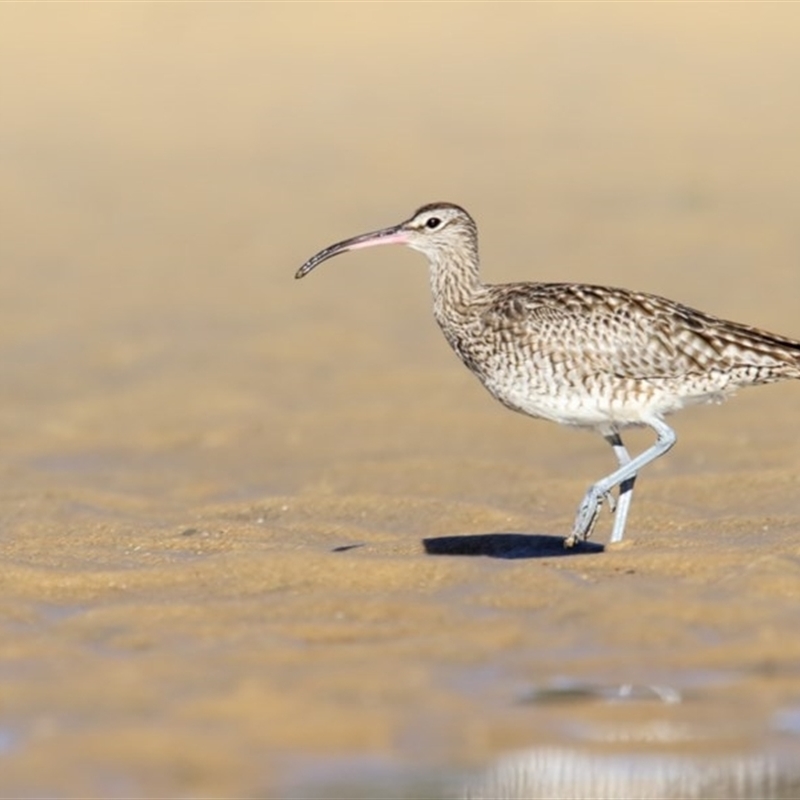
455	282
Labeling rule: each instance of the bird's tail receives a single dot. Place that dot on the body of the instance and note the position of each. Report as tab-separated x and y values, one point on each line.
780	348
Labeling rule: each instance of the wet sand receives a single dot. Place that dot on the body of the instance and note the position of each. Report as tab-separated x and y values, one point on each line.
230	502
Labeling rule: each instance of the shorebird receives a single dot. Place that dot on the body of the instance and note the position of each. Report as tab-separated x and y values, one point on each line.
594	357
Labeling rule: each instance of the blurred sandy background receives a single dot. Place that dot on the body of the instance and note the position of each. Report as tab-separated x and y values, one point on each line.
192	441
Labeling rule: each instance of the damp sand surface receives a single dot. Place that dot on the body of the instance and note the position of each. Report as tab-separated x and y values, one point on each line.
261	537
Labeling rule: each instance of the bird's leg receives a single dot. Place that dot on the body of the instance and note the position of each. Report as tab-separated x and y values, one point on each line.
622	477
623	457
625	488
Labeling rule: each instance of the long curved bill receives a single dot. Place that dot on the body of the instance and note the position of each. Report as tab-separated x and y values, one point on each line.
393	235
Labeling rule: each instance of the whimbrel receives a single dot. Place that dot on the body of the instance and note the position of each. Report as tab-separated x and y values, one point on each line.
595	357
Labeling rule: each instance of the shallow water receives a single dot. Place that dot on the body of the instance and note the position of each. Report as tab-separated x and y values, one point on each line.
261	537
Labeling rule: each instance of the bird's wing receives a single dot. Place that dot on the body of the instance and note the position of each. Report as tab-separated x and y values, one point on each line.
633	335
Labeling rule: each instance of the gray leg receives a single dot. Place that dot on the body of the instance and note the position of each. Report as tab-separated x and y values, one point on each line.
625	488
593	500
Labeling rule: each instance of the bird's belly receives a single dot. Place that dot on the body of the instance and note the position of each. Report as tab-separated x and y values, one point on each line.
594	401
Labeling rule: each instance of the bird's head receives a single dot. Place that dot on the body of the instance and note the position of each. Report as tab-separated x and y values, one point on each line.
436	229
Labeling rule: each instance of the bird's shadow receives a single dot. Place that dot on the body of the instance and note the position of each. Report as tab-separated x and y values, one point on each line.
507	545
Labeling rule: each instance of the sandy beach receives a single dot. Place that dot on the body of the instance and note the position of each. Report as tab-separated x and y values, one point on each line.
261	537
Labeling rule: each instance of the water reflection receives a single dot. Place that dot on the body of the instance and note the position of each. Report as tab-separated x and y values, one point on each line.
636	741
566	690
8	740
551	773
555	773
787	720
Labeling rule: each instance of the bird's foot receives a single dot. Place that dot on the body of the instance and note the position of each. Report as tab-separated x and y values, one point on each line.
587	515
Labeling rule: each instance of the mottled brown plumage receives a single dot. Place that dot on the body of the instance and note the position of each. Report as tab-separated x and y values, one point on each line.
590	356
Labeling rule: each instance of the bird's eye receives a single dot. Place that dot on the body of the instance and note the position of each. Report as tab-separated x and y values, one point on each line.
433	223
